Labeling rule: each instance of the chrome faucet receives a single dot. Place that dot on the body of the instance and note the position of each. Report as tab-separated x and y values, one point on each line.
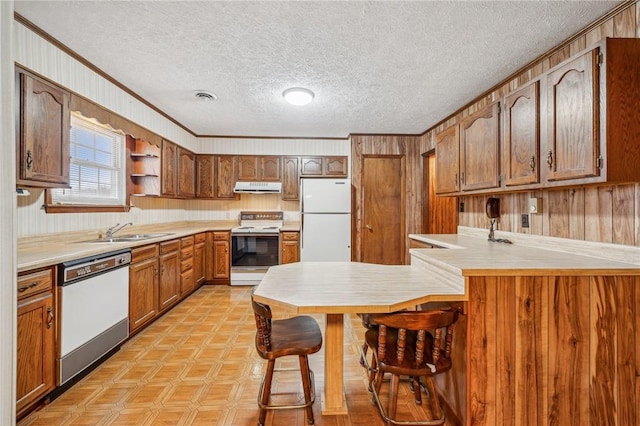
110	231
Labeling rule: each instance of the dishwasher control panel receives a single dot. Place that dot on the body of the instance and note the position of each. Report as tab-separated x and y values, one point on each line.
84	268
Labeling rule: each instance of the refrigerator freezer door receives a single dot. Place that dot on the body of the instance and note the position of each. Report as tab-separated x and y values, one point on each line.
326	195
326	237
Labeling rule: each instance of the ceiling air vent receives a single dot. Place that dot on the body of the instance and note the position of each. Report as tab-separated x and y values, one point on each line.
204	96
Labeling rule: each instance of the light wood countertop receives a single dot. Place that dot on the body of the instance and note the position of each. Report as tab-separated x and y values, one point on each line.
472	254
341	287
51	249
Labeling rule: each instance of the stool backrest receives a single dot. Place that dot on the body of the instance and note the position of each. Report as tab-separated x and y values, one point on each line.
436	325
262	315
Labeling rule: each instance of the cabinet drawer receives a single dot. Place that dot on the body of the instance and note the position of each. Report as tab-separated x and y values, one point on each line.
186	241
186	264
169	246
35	282
186	253
200	238
220	235
290	236
139	254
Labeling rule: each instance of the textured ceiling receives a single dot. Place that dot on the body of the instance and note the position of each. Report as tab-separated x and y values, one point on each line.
375	67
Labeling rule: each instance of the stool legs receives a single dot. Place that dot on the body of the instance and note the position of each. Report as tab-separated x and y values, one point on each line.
306	384
266	391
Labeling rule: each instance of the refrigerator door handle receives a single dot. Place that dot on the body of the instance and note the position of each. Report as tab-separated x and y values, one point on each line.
301	231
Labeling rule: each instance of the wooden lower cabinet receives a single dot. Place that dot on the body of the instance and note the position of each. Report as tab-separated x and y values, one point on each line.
143	286
169	284
552	350
187	282
221	251
289	247
36	331
199	256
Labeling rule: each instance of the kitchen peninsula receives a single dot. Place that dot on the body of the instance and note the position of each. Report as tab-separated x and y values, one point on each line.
552	326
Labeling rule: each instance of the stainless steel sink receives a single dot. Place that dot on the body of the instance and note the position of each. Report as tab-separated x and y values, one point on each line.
129	238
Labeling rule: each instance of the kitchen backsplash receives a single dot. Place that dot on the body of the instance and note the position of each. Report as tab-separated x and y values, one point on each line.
32	219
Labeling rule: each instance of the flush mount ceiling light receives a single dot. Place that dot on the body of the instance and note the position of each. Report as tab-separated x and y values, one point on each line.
203	95
298	96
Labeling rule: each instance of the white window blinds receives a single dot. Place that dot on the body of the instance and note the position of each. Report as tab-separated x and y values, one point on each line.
96	172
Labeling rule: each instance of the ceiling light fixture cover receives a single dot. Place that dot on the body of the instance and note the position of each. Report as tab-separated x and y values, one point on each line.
203	95
298	96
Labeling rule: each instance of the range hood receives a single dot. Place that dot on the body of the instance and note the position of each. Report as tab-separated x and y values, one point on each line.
258	187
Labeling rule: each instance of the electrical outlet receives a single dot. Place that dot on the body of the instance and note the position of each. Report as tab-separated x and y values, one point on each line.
525	220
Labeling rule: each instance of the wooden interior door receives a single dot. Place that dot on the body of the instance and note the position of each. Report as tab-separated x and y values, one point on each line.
382	227
439	214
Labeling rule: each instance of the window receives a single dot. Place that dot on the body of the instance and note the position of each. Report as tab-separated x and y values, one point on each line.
97	169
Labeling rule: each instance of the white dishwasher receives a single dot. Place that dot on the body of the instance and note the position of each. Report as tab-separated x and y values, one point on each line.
94	310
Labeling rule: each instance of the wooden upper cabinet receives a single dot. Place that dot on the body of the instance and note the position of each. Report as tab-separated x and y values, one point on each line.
205	176
259	168
186	173
522	136
169	168
331	166
42	132
336	166
225	176
479	149
290	178
572	112
143	166
447	160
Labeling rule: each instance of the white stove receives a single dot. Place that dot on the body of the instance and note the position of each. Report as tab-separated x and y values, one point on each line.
259	223
255	246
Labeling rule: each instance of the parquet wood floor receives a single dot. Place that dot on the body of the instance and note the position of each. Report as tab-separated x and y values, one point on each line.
197	365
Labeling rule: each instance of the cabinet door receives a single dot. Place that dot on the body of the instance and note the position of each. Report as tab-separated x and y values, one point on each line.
290	178
169	288
572	144
186	173
480	149
198	263
336	166
447	160
222	265
226	176
248	168
205	176
169	168
36	354
43	133
143	292
289	247
270	168
311	166
522	136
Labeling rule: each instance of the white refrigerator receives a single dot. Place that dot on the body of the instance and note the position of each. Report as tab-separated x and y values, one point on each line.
325	207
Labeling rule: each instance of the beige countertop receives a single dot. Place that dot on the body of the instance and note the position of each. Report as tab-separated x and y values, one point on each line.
342	287
474	255
51	249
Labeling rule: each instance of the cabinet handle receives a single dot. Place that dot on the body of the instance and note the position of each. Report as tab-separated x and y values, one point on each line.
455	178
50	314
155	271
29	159
532	163
162	269
550	159
369	228
27	287
462	178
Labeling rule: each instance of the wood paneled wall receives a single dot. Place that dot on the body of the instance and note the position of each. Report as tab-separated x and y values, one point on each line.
608	214
411	148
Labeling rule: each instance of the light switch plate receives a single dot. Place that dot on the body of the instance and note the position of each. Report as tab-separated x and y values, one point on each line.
535	205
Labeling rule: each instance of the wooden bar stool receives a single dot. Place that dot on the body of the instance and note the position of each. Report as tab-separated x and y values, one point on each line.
415	344
299	336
